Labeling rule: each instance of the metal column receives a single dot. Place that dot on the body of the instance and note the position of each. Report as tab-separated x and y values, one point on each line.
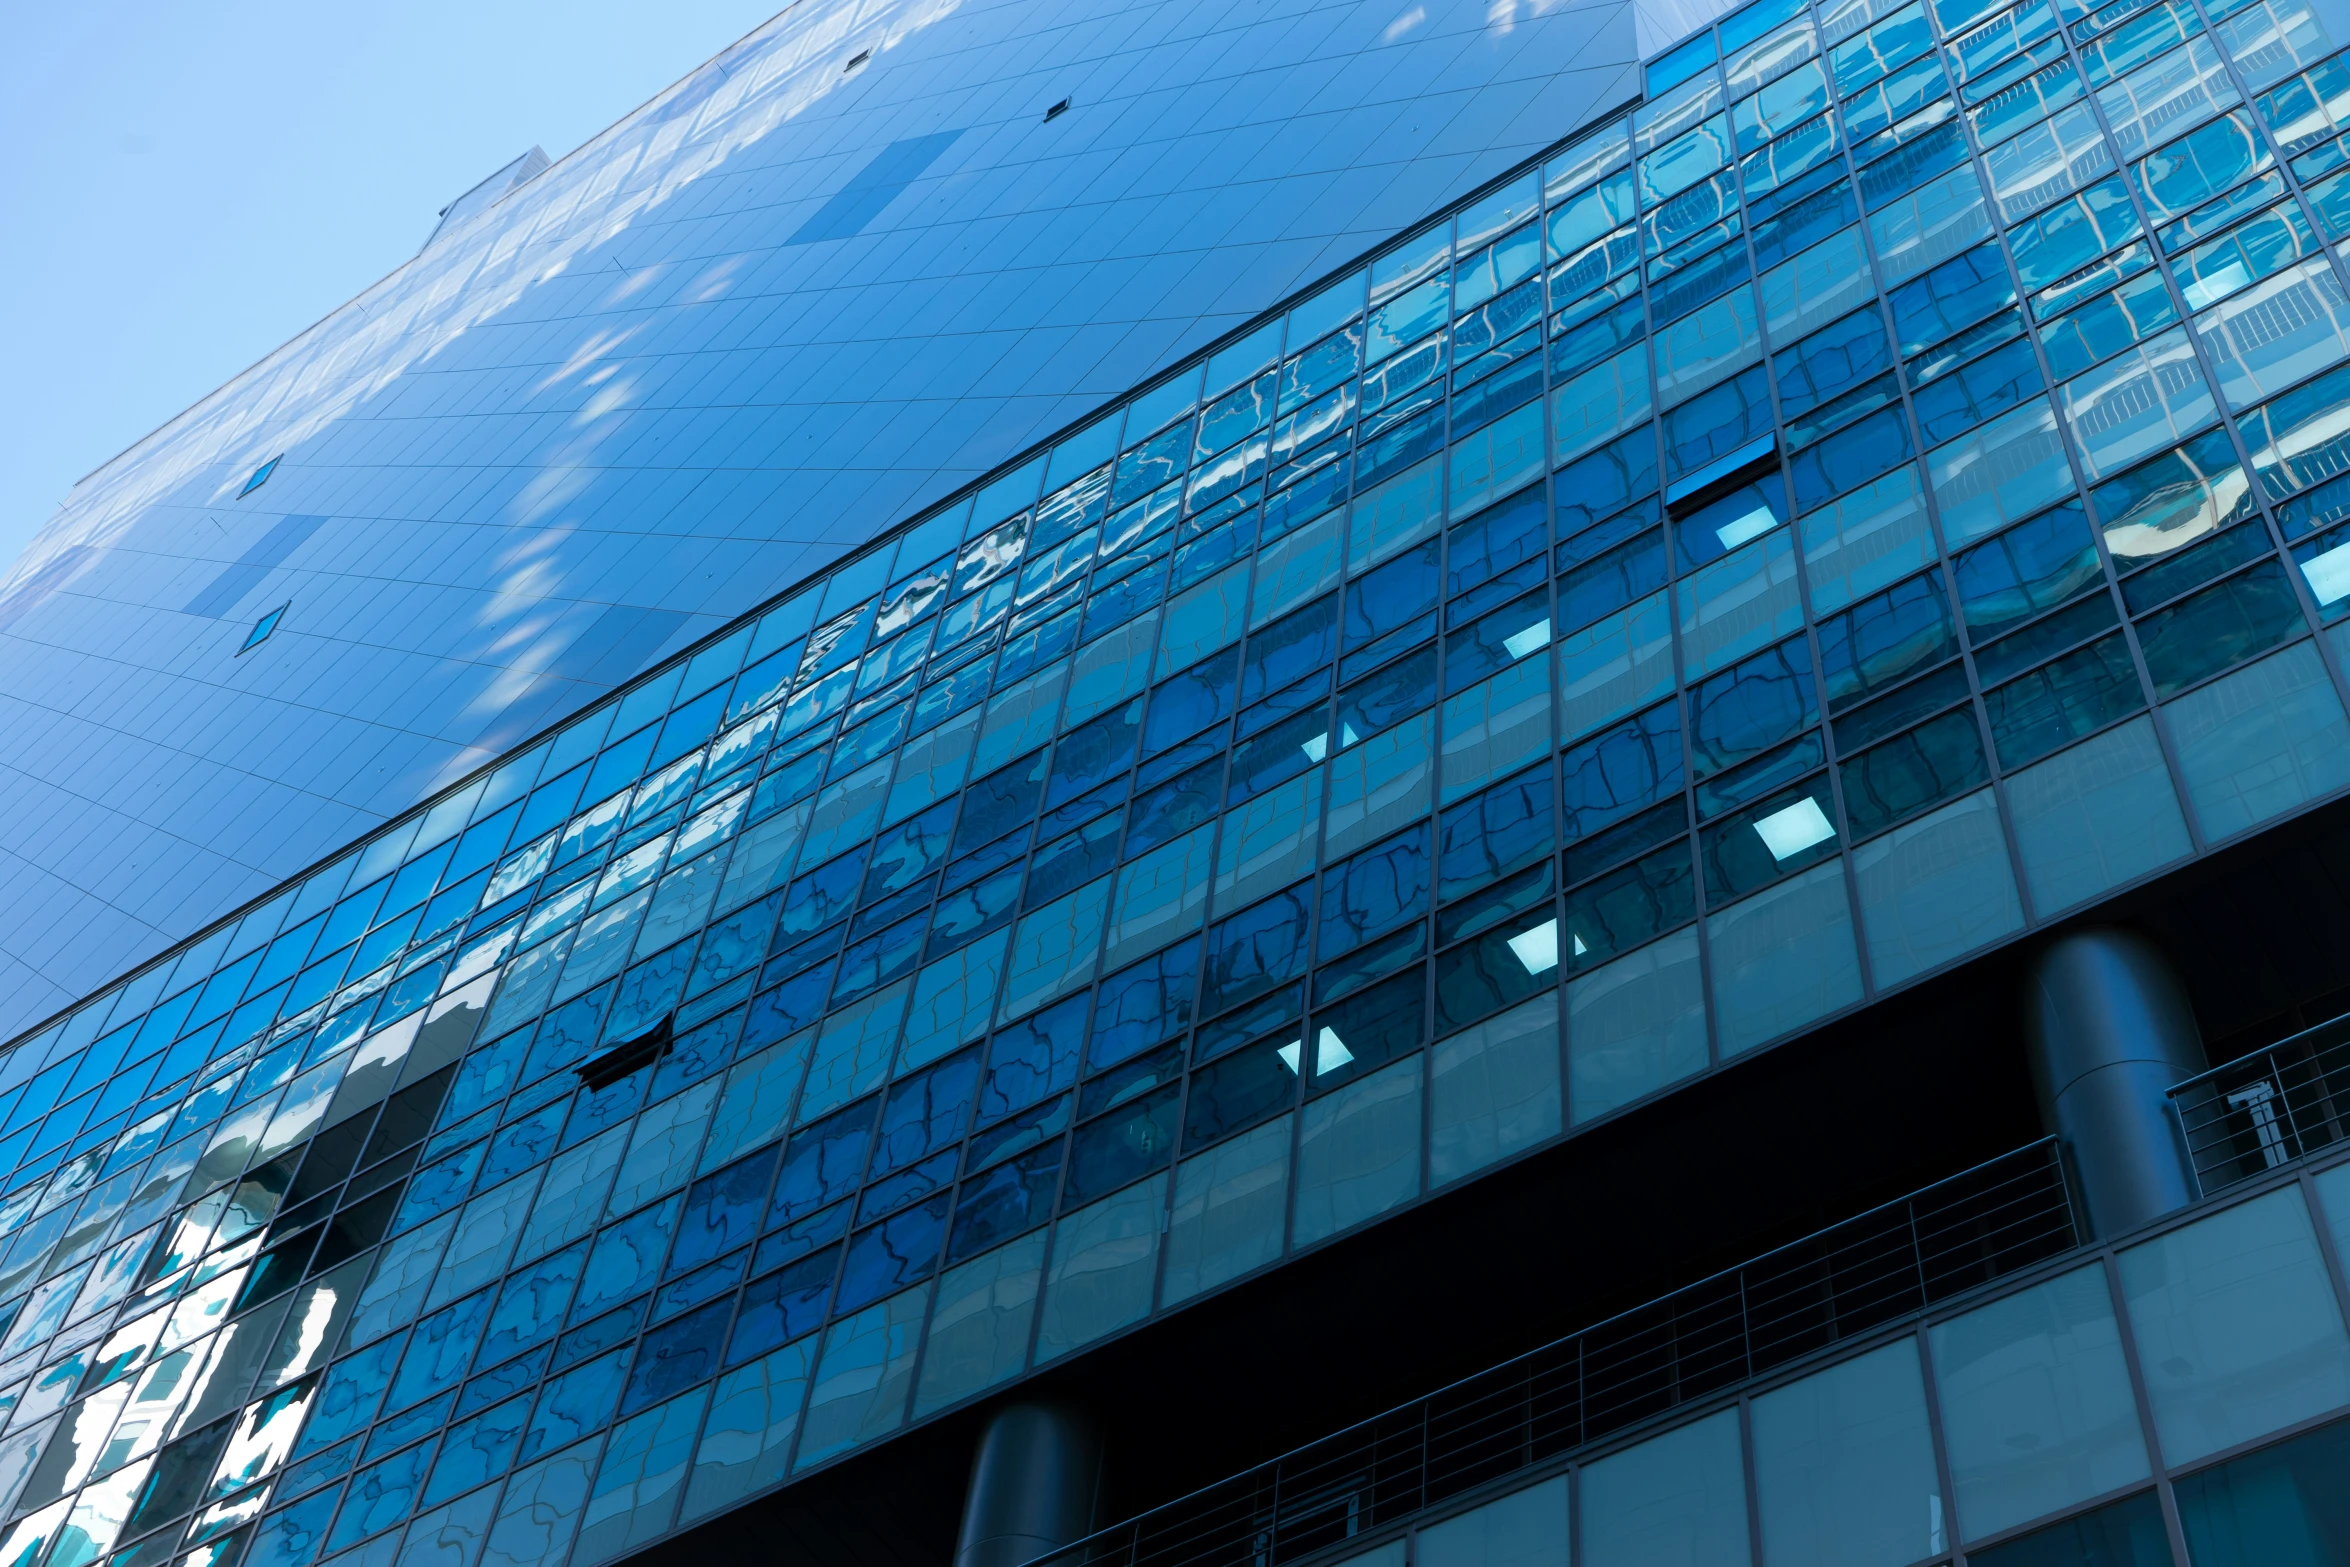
1035	1482
2111	1029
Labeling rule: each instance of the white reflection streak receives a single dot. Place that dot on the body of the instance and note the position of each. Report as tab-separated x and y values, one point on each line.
475	273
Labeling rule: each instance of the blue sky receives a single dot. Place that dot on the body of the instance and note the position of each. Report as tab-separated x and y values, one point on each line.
187	186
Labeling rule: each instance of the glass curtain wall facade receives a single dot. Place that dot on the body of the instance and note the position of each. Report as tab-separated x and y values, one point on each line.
1876	496
2179	1399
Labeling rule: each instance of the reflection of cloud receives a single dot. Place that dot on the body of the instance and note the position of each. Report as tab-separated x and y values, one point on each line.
1504	15
473	274
1404	24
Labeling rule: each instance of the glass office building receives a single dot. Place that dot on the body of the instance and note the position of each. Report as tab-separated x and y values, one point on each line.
1640	669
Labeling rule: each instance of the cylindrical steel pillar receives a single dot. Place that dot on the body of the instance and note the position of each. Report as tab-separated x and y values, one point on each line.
1034	1483
2111	1030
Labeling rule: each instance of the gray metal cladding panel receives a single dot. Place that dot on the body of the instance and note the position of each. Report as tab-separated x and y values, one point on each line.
774	311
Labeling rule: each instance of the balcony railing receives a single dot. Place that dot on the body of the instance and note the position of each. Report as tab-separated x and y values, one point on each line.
2271	1106
1885	1264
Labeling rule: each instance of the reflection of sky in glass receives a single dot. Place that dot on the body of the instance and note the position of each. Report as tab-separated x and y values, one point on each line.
593	420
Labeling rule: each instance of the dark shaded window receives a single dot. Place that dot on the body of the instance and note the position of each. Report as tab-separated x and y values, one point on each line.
2128	1533
1789	832
999	802
1620	770
927	1112
1976	392
1184	704
1605	581
734	945
2247	614
1881	640
1094	752
1291	647
906	854
1747	709
823	895
973	911
1957	293
1370	1028
886	1257
1717	422
1175	808
2060	702
1381	699
1131	1141
1903	706
782	1306
1032	1058
1850	457
1904	776
1256	949
1394	599
1497	969
1606	481
1072	860
1505	535
1375	891
2035	566
1629	906
1513	632
1014	1197
677	1355
823	1163
1239	1091
1832	361
1505	829
1137	1007
1280	753
1810	219
2180	573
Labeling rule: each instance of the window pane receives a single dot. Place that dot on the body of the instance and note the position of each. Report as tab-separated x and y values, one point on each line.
1229	1206
2127	1533
1635	1025
1494	1089
979	1330
2260	741
1936	888
1783	958
2095	816
1844	1467
1359	1151
2237	1329
1677	1500
1103	1259
1527	1529
2289	1503
2036	1403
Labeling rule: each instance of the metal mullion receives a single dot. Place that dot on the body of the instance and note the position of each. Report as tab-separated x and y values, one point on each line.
2328	655
2108	1265
2079	466
1922	1338
2194	338
1905	397
1562	1044
1810	630
1653	427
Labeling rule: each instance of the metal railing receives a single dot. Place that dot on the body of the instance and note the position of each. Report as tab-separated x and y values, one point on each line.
1885	1264
2271	1106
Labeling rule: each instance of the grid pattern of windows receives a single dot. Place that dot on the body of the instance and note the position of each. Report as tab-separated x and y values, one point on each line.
1876	496
2140	1407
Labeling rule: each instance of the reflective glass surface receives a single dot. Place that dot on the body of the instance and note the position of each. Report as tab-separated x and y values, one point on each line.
1681	572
